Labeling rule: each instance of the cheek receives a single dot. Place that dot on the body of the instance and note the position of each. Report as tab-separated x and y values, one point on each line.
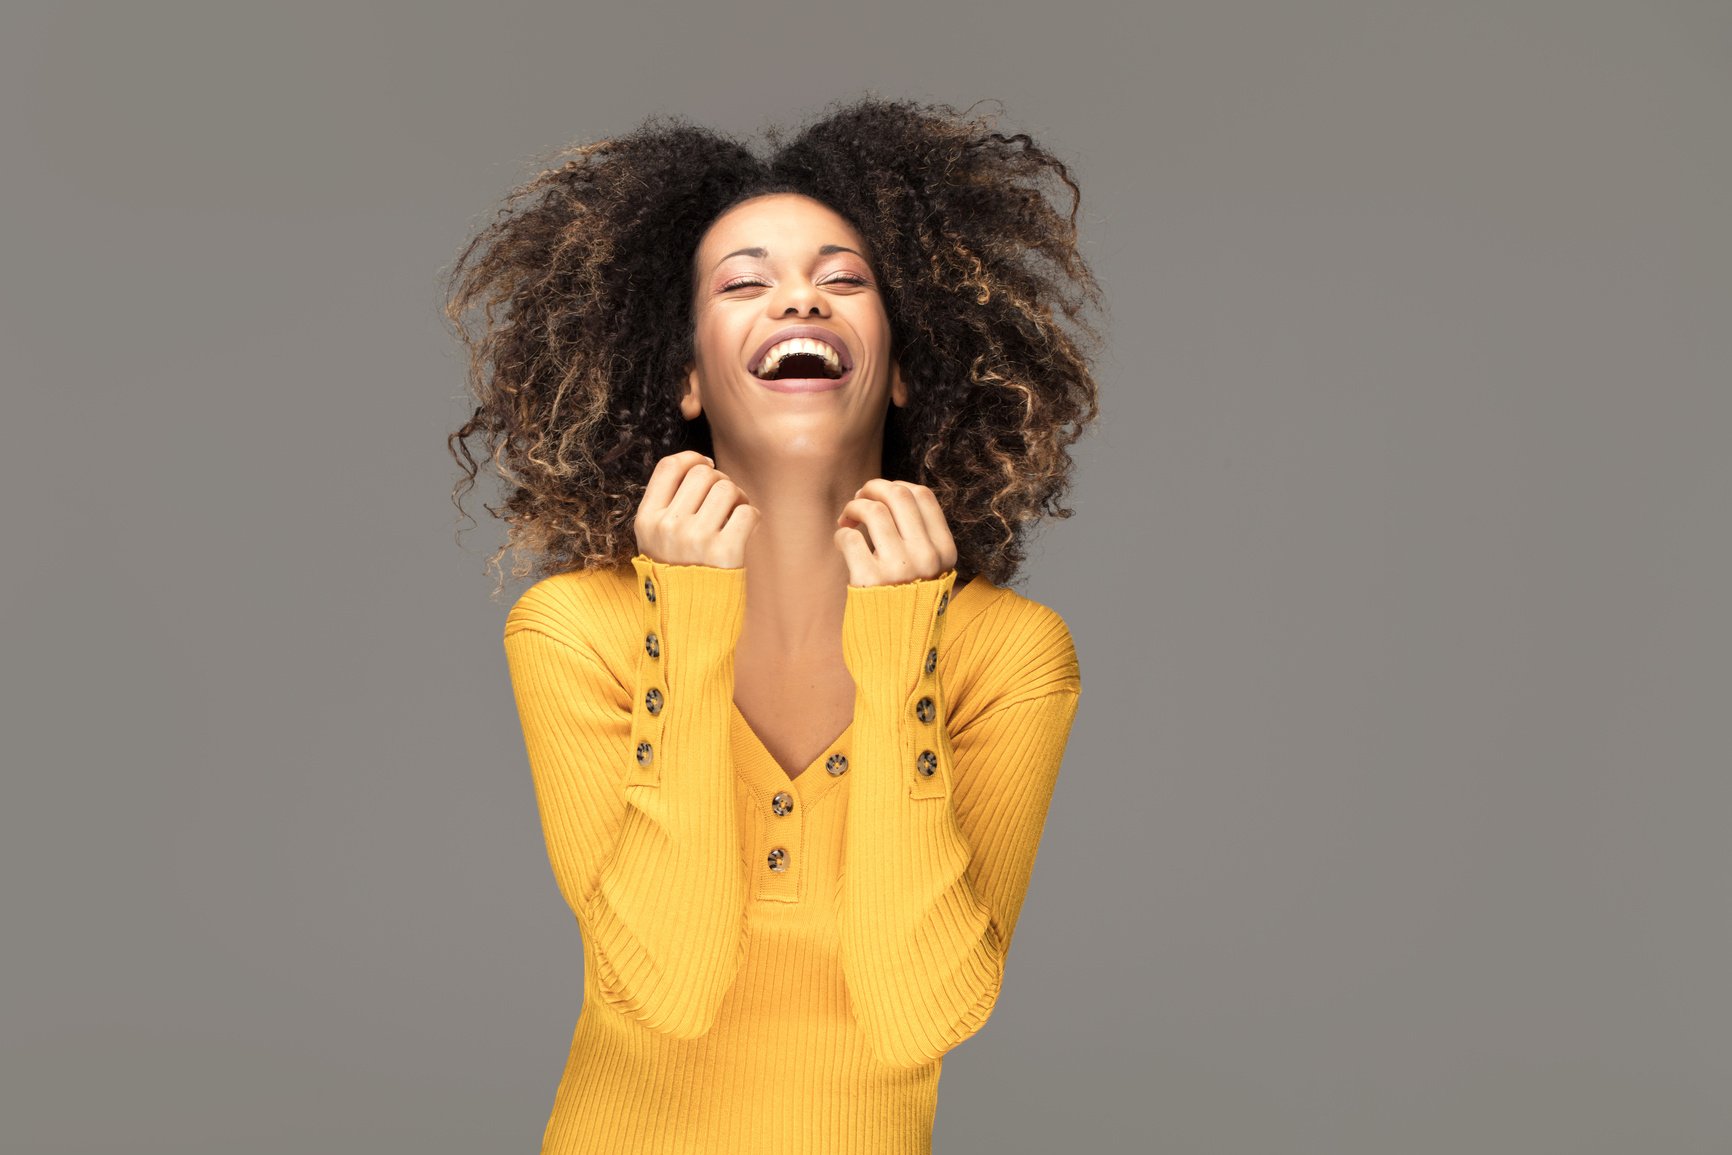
705	342
714	328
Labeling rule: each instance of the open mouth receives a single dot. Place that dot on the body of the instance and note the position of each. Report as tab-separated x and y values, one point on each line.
801	367
806	359
805	384
802	358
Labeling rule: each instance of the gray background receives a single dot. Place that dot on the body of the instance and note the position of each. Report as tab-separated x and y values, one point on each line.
1395	815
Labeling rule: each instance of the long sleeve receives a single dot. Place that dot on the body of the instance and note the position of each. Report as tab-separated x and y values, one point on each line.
634	785
942	828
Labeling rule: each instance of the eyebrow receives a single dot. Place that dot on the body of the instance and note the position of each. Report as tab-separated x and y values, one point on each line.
823	251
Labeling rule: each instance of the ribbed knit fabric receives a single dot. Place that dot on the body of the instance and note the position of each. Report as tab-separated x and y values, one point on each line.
777	966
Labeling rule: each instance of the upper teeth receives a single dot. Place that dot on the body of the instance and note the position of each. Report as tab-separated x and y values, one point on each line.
799	345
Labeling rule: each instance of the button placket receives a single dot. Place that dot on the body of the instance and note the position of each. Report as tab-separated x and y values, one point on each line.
921	752
645	768
777	867
777	811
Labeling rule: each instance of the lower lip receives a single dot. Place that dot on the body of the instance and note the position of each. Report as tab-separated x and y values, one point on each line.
806	384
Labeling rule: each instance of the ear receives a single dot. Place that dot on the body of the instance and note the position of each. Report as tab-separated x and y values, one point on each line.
898	386
691	404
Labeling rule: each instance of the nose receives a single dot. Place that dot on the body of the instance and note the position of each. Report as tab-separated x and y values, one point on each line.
800	297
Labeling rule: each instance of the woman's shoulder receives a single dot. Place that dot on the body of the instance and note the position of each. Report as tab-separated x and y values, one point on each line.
1004	642
982	605
581	603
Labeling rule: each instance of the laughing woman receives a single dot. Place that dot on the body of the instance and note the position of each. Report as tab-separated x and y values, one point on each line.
773	430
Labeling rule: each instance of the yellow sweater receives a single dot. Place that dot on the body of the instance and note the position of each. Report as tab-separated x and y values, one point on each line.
776	965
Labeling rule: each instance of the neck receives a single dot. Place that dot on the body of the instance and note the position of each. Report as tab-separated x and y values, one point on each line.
796	577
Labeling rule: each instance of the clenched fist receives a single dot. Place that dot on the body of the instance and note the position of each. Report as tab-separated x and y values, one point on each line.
910	536
691	514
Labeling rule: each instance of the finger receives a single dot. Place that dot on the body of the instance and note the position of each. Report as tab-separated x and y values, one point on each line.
854	549
879	523
937	525
693	489
900	501
719	504
918	550
895	560
742	520
666	478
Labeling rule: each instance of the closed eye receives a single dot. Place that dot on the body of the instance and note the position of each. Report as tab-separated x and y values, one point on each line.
845	278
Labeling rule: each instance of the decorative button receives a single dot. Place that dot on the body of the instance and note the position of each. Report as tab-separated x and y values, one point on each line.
778	860
653	700
924	710
649	590
836	764
927	764
645	754
652	645
782	802
932	659
943	600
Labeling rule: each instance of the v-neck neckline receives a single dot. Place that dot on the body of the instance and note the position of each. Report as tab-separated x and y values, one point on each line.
761	768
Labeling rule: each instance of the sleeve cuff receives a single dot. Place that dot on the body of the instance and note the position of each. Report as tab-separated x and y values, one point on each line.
702	608
888	632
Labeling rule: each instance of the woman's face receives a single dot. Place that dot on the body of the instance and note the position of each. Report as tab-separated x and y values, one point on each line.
802	264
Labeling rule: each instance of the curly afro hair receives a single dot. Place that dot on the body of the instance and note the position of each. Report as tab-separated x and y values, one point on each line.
583	286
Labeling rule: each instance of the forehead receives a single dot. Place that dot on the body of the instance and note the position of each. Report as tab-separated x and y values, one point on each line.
784	223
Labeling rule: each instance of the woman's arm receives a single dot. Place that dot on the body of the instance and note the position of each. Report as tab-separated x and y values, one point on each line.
942	827
635	786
